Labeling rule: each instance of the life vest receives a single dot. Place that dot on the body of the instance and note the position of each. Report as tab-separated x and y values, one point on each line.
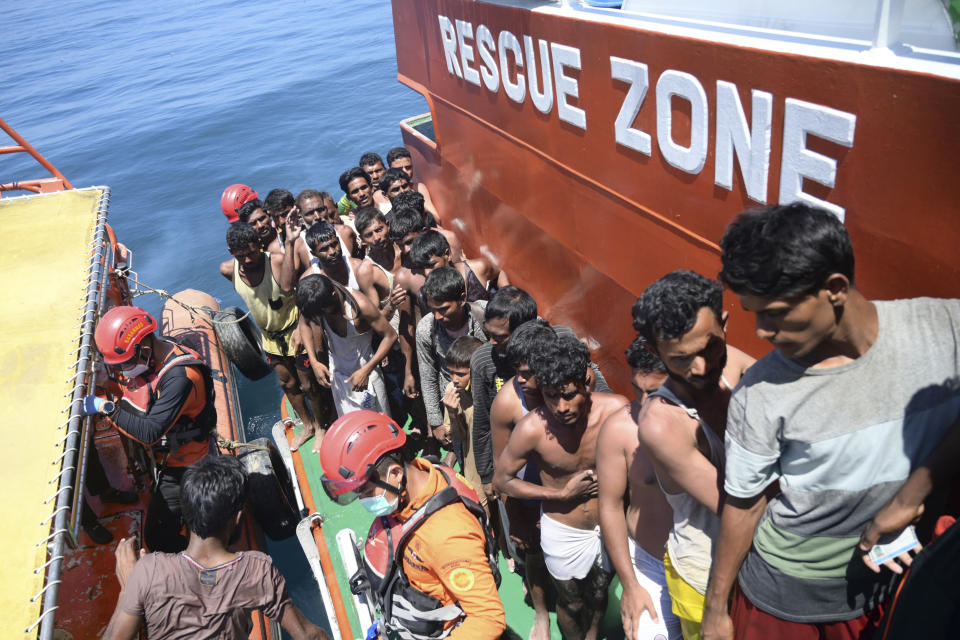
411	613
138	398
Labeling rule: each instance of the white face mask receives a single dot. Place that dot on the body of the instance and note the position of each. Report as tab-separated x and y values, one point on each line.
140	368
379	505
137	370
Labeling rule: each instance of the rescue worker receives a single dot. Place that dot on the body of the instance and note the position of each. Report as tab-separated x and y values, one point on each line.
429	558
234	197
165	402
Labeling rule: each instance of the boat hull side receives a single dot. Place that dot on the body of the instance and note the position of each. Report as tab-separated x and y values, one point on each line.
586	223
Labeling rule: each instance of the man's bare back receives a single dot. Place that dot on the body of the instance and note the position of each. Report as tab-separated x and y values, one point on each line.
649	516
506	411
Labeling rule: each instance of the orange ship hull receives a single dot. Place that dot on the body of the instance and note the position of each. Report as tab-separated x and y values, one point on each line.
584	206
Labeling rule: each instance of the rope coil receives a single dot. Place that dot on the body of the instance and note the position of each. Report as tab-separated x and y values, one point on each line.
231	445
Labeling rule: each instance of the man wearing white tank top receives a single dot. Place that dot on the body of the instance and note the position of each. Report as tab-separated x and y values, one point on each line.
327	257
681	426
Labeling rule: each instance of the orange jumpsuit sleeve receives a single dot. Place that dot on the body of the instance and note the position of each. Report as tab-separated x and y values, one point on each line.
459	561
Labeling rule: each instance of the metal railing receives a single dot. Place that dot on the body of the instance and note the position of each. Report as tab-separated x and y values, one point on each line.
78	438
41	185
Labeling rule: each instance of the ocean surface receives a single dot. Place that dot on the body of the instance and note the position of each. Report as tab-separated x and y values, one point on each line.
169	102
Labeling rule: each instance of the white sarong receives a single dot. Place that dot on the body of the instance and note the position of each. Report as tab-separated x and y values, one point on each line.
652	577
570	553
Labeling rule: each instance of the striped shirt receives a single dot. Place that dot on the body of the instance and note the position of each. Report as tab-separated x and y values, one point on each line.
841	441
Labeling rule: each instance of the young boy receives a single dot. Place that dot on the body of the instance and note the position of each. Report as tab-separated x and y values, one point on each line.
458	402
207	591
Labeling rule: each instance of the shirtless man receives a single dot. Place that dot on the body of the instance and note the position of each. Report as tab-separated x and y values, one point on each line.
413	200
256	216
372	163
635	543
561	436
430	250
681	426
380	268
313	206
517	398
399	158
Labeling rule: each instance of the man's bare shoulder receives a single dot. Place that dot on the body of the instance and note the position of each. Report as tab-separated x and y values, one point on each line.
739	362
506	402
344	231
366	307
226	269
358	268
606	404
532	424
661	421
619	430
372	274
404	277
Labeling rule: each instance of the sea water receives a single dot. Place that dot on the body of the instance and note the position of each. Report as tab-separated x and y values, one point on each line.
169	102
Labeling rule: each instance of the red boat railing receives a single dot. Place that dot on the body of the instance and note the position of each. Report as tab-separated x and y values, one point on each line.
40	185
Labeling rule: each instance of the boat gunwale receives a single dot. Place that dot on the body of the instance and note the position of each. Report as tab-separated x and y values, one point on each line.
66	513
897	55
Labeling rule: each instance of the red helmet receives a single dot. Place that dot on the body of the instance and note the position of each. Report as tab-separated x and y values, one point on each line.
119	332
234	197
351	447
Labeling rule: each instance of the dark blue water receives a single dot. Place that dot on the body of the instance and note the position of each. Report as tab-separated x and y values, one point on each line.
169	102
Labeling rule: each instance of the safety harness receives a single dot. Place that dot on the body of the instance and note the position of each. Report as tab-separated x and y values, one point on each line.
140	399
407	611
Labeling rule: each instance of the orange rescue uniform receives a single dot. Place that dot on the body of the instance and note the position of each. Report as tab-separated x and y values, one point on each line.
445	558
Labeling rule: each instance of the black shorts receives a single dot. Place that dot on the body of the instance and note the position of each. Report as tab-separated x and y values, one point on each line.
300	362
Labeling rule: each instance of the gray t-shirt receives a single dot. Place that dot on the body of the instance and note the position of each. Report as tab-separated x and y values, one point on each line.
841	441
433	342
181	599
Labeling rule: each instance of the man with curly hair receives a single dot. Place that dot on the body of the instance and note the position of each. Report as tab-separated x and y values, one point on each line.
681	425
561	437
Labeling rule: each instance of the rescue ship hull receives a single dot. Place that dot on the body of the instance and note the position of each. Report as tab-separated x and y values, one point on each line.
591	152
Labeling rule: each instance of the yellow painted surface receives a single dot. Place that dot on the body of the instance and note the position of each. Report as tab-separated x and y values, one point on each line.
43	276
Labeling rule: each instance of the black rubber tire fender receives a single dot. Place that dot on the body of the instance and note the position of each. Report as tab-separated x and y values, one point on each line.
270	494
241	342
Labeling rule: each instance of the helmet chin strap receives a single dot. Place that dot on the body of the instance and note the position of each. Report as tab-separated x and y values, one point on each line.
401	491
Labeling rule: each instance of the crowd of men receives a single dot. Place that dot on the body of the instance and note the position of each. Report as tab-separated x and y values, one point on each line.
732	497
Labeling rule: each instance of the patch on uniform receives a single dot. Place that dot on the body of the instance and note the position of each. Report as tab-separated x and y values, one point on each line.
208	577
462	579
